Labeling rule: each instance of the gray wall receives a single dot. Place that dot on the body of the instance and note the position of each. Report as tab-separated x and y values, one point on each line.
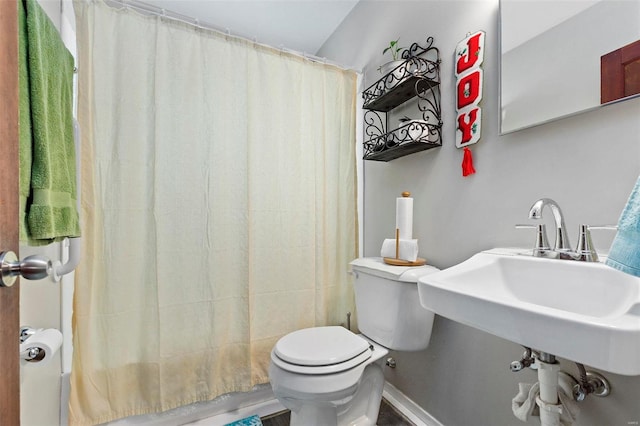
588	163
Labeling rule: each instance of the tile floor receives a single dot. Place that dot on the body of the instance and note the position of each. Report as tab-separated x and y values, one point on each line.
388	416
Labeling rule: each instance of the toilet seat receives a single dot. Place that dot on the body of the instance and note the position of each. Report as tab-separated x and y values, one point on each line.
320	350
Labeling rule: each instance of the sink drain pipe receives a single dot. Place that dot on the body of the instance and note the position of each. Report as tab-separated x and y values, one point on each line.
551	379
547	400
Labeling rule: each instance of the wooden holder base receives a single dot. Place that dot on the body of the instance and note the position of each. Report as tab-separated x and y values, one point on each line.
400	262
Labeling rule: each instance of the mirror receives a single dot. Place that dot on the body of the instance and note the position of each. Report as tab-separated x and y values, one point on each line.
550	55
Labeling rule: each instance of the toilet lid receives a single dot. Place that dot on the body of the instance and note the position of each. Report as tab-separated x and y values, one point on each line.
320	346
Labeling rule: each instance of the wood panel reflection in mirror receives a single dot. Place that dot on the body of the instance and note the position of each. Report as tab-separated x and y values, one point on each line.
620	73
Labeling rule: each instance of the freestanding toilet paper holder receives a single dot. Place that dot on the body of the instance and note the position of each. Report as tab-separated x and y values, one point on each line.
407	229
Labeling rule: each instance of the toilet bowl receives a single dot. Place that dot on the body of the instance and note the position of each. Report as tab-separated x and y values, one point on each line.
332	376
319	372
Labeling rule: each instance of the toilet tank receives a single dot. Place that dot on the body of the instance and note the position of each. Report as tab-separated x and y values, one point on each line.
388	306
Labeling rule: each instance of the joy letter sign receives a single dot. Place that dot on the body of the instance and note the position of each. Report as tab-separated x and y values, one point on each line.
469	57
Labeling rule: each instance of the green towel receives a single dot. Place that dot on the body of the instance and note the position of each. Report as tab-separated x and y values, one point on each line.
50	211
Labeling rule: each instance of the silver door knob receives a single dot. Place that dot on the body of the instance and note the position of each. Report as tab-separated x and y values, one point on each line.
33	267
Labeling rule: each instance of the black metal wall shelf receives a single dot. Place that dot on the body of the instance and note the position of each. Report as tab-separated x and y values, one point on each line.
407	139
418	76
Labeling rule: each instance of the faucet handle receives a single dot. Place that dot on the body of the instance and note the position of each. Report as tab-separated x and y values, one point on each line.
541	247
605	227
585	251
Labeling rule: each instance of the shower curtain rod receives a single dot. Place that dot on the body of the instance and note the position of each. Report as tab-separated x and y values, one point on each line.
149	9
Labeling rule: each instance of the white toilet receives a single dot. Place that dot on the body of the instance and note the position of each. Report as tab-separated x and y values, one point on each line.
330	376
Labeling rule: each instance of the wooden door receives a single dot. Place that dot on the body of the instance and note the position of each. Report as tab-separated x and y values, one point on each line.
9	296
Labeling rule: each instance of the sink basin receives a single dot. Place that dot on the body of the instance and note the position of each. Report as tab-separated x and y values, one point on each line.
585	312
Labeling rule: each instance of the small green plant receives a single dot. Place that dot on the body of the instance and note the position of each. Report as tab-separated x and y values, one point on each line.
394	49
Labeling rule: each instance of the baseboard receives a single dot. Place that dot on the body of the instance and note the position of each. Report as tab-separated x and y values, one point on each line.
407	407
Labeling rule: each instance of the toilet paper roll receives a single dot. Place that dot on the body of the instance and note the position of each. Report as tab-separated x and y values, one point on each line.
404	217
48	340
407	249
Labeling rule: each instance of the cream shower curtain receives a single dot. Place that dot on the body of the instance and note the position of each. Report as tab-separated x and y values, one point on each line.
218	208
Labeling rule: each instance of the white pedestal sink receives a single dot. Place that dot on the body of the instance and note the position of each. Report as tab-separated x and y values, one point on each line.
584	312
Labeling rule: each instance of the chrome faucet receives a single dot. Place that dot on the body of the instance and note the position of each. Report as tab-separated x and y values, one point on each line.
562	240
585	251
